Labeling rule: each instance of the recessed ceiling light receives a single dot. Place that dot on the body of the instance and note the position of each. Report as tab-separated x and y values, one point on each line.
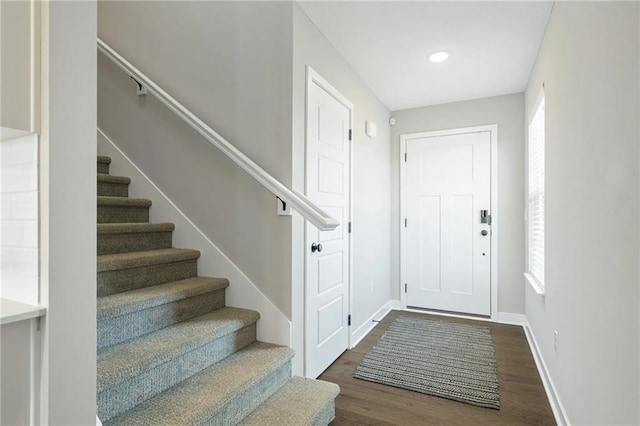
439	56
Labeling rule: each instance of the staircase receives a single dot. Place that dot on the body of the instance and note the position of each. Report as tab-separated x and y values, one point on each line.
169	351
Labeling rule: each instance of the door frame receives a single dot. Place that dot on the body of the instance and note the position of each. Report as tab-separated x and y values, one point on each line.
493	131
313	77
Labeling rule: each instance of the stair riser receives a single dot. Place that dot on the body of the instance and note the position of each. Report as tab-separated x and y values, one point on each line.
119	329
109	189
117	281
103	168
134	390
126	243
116	214
326	415
243	404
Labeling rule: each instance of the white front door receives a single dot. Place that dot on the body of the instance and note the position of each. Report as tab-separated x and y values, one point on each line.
327	252
448	245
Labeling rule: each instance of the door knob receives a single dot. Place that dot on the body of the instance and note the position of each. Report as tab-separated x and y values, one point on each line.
316	247
484	232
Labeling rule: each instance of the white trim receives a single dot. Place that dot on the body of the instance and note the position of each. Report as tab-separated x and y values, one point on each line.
369	324
395	305
558	409
445	314
403	214
495	222
296	200
312	77
535	284
511	318
274	326
35	54
507	318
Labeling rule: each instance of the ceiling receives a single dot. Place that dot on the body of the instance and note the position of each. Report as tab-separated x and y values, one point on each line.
493	46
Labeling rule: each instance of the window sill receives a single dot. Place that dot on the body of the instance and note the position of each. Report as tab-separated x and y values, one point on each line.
535	285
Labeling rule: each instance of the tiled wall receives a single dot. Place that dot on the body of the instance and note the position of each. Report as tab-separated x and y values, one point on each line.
19	219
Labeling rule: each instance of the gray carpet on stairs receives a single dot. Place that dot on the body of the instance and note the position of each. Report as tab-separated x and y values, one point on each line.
221	394
152	268
123	210
130	237
169	351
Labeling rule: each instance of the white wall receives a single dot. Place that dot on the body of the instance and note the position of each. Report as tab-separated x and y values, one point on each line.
588	63
229	63
371	162
507	113
15	64
68	213
15	368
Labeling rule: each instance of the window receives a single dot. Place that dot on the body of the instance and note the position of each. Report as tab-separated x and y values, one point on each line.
536	197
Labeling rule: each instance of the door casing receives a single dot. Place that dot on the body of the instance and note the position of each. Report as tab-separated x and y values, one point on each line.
313	77
495	223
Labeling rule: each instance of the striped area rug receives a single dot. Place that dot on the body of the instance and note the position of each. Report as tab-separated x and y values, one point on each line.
450	360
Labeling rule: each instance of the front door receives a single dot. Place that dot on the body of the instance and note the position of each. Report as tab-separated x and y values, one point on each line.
448	242
327	256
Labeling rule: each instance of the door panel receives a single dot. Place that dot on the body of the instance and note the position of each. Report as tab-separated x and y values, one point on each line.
430	273
448	260
327	271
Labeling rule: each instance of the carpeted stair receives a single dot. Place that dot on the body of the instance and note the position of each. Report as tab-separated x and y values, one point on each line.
169	351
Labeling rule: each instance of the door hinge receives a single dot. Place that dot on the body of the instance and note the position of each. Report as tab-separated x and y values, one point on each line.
405	287
349	227
405	157
349	319
405	222
350	134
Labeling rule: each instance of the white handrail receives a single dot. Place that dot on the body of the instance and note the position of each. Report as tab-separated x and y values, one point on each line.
297	201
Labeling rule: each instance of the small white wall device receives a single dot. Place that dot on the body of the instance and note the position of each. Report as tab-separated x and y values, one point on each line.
370	129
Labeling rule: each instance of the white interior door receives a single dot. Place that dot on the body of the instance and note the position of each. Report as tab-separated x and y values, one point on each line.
448	247
327	263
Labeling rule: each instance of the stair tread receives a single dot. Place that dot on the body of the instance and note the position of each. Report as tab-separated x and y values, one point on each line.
127	302
193	400
103	177
112	262
133	228
104	159
299	402
125	360
123	201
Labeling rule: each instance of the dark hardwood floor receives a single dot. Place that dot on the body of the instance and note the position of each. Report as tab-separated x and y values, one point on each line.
522	397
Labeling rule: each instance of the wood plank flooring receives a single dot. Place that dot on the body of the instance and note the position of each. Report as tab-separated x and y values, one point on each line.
522	397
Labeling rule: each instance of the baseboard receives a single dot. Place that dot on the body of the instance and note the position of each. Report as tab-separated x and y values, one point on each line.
444	314
274	326
512	319
559	412
364	329
395	305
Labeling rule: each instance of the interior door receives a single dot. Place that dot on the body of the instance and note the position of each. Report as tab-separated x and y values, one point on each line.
448	238
327	256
